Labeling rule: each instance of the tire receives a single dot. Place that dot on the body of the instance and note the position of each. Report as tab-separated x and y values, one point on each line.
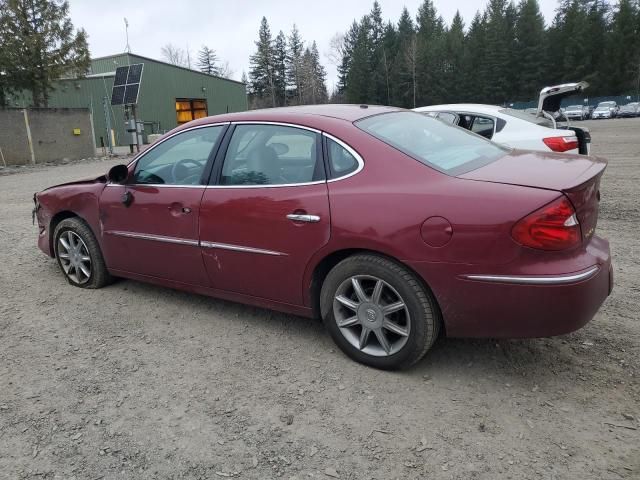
86	247
415	325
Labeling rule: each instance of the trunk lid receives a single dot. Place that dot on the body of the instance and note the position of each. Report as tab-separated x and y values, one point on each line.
578	177
551	97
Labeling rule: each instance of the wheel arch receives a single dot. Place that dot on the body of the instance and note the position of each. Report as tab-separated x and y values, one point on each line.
55	221
324	266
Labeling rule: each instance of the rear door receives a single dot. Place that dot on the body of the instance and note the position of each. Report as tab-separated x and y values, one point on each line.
266	211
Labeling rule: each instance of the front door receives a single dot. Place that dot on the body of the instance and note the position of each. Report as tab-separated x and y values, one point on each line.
266	213
150	224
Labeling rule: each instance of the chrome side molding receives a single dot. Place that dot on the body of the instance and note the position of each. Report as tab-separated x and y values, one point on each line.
156	238
536	280
239	248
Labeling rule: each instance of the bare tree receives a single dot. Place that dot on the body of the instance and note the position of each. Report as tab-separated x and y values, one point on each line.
336	49
225	70
174	55
411	60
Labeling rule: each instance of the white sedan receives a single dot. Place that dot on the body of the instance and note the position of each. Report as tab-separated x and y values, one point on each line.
517	128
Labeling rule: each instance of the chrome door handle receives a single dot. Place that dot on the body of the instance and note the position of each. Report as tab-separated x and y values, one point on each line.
299	217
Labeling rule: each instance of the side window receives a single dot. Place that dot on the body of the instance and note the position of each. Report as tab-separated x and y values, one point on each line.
179	160
483	126
271	155
341	161
448	117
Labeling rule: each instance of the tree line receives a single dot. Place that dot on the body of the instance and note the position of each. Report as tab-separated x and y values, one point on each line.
285	71
505	54
206	60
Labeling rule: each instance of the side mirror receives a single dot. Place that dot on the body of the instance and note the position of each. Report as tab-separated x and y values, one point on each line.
118	174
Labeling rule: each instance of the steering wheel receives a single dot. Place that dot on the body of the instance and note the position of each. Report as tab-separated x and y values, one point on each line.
180	169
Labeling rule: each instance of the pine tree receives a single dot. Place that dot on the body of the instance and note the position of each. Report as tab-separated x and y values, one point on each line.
280	68
623	55
261	74
359	86
529	56
39	46
314	77
378	77
207	61
454	61
389	50
499	47
349	42
295	51
475	66
430	45
405	63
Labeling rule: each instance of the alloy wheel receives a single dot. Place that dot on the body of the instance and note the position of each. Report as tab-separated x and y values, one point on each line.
371	315
74	257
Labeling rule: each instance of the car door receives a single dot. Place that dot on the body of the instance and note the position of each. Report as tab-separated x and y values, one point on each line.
150	224
266	212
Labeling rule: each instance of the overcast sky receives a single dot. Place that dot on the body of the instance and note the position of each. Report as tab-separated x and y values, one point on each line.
230	27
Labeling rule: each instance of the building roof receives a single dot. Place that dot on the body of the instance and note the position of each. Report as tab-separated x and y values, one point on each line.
131	54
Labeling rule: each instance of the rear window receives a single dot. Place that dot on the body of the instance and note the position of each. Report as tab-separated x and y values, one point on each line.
451	150
528	117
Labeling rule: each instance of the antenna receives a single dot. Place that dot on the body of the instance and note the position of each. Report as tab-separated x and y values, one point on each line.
126	29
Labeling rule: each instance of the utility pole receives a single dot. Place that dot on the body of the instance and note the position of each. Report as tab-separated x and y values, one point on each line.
126	30
107	118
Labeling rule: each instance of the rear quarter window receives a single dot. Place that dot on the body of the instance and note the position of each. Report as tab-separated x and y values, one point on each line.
448	149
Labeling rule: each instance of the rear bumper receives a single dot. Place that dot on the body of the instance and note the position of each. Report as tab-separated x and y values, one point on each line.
523	306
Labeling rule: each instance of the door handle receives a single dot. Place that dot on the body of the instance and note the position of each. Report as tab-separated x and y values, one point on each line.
303	217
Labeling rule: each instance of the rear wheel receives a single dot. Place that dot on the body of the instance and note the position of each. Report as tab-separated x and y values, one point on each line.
378	312
79	255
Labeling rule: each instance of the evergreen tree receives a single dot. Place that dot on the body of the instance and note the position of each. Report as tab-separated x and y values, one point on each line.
431	54
405	63
595	40
388	50
623	45
207	61
499	48
529	56
261	74
453	74
359	86
314	77
350	39
377	54
280	68
295	52
475	66
38	46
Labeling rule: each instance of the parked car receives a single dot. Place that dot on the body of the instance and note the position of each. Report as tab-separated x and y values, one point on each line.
389	225
576	112
605	110
629	110
518	129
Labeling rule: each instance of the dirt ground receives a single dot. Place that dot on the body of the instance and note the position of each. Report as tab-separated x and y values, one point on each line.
137	381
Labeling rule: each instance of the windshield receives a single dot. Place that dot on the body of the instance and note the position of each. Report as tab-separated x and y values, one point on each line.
574	107
606	104
602	109
451	150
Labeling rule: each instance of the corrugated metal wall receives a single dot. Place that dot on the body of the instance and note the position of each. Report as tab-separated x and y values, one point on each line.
161	85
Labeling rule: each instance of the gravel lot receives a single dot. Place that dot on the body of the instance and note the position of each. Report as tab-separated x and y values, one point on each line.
137	381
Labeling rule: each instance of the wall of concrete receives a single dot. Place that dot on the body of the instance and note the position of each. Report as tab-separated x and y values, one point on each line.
52	135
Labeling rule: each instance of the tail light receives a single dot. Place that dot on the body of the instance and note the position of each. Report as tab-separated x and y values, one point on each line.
553	227
561	144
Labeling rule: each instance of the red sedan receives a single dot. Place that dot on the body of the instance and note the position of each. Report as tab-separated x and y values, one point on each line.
389	225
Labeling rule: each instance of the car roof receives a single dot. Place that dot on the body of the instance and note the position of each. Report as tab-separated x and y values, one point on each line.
310	115
462	107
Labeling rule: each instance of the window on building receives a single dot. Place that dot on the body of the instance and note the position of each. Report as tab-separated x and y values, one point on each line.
188	109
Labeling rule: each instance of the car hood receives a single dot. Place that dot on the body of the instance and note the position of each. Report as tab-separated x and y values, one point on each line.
100	179
551	171
550	97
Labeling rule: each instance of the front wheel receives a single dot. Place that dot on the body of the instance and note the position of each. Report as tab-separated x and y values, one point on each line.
79	255
378	312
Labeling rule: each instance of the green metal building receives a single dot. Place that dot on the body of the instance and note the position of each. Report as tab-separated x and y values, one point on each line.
169	95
